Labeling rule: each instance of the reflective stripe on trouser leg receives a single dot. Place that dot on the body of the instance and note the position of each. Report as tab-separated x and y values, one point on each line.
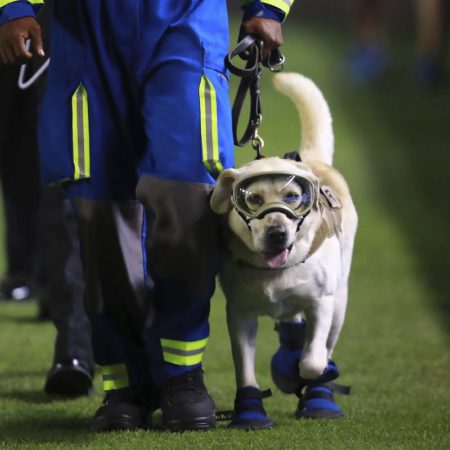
80	134
183	353
115	377
209	127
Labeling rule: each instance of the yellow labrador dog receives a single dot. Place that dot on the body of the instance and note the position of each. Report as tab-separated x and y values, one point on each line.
289	240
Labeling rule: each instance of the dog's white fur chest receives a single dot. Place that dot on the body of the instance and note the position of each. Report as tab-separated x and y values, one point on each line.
281	294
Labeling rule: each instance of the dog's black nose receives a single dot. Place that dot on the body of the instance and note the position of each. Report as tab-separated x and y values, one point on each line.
277	235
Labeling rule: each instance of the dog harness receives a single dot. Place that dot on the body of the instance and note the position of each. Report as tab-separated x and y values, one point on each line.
331	211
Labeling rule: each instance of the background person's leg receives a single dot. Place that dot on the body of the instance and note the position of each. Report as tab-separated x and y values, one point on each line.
430	23
73	363
19	176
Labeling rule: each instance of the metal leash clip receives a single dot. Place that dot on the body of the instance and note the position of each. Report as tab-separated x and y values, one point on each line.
257	140
275	61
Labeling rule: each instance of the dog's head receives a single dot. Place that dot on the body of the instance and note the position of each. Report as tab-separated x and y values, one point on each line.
267	201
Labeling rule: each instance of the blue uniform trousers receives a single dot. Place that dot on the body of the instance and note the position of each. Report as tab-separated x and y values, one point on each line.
136	107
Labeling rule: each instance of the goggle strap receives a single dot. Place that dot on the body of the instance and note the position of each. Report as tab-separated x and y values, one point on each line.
245	218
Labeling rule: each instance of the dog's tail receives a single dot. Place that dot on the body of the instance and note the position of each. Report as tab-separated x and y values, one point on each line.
317	139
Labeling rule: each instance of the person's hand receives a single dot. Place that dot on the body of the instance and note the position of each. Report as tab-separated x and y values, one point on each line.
13	36
268	30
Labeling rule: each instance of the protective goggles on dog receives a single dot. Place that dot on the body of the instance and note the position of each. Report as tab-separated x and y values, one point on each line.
258	195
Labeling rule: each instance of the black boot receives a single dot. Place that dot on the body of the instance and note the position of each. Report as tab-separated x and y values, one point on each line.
121	410
69	377
185	403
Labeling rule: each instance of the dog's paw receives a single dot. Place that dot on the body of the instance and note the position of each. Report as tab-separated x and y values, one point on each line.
311	368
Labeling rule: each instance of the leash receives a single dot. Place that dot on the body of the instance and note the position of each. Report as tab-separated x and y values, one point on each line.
43	17
25	84
250	49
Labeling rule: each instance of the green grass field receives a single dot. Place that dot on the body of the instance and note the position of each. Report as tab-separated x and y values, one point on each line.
392	144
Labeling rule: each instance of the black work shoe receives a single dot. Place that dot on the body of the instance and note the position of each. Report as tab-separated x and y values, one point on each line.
69	377
185	403
120	411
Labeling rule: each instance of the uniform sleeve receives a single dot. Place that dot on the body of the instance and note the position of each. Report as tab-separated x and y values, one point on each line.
270	9
15	9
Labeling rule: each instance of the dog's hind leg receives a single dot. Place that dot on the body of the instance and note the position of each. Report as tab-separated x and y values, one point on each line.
338	317
340	304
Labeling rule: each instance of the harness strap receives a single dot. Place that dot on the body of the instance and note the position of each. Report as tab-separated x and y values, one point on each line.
295	156
331	220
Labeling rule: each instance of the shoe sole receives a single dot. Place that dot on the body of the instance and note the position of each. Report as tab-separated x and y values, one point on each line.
69	383
116	424
199	424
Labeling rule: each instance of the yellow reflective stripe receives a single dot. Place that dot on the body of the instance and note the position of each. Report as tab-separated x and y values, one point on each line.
86	137
183	360
80	134
209	127
284	5
184	345
114	377
183	353
7	2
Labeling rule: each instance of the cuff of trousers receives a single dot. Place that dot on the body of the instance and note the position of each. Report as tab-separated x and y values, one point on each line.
162	373
259	9
17	10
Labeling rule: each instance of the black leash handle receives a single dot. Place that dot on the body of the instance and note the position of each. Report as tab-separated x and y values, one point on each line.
250	49
274	62
244	50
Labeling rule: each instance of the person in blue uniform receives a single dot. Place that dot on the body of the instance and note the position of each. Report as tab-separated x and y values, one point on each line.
136	123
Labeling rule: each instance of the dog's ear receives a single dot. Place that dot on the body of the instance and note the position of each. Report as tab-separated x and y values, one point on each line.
221	196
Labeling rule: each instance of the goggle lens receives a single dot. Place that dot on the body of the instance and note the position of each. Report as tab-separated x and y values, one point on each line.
291	192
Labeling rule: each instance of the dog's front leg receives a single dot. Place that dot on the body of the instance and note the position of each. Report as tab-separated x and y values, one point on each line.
318	323
249	412
242	330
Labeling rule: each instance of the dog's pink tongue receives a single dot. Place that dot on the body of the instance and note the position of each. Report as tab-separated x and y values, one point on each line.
277	261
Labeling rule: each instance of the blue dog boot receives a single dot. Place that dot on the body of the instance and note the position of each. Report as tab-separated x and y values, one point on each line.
330	373
249	413
284	364
318	403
